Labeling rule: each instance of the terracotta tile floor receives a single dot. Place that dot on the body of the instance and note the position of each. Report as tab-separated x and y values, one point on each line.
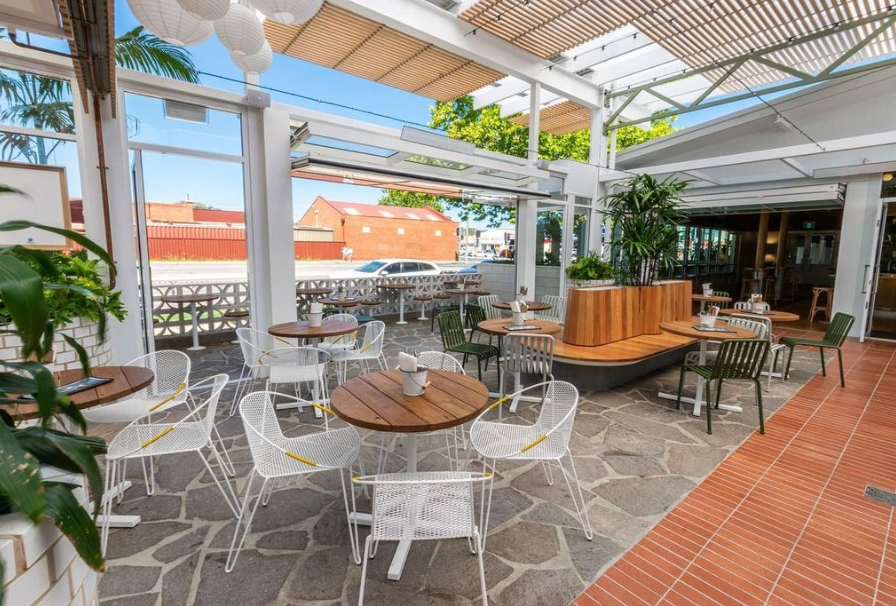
783	520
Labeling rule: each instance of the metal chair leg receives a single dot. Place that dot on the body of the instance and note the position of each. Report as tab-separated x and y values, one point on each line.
759	405
840	362
789	360
824	371
680	387
708	409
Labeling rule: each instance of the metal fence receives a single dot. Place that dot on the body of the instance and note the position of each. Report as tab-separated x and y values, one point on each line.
175	321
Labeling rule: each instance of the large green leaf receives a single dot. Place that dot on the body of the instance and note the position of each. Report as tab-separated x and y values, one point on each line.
20	476
22	291
75	523
70	453
84	241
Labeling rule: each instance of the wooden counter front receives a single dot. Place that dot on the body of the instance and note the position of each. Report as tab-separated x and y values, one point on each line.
601	315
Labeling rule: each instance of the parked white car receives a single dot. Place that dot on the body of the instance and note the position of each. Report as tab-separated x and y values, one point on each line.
392	268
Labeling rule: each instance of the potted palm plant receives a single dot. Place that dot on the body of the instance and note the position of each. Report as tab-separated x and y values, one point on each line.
645	214
29	450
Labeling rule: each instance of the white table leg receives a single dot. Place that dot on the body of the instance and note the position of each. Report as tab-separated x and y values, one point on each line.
404	546
117	521
422	311
463	302
401	307
702	306
196	345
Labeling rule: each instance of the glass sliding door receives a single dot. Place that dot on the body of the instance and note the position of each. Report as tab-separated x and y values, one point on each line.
188	171
882	309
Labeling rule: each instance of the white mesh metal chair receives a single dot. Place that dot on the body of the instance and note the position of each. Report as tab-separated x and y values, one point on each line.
526	353
424	507
339	342
546	440
143	438
368	347
486	302
168	388
557	312
276	457
254	344
297	366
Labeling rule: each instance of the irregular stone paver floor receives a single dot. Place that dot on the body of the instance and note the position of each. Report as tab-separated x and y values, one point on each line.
636	456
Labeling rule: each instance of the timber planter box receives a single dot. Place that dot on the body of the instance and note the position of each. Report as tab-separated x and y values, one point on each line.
600	315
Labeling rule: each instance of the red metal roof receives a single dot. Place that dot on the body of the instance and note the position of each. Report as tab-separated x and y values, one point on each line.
356	209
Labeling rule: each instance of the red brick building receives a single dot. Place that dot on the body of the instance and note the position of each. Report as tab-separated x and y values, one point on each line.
375	232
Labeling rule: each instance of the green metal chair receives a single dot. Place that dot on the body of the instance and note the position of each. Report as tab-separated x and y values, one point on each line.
438	309
833	338
738	359
475	315
454	339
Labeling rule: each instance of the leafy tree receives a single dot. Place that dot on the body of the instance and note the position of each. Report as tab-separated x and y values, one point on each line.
488	130
45	103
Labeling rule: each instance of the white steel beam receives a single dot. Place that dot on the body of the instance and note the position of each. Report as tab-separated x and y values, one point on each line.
855	169
444	30
797	166
779	153
599	55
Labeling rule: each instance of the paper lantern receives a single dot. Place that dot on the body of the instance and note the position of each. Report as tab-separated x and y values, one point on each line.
167	20
288	12
255	64
240	31
208	10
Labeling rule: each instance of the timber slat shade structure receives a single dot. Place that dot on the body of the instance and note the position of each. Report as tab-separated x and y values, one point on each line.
561	118
697	32
342	40
597	316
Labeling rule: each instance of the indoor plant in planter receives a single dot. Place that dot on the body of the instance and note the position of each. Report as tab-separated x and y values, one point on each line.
72	309
645	214
27	450
590	271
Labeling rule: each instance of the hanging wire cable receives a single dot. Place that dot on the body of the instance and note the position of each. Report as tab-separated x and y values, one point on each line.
317	100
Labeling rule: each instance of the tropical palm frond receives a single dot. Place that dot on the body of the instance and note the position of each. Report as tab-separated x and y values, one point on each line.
142	51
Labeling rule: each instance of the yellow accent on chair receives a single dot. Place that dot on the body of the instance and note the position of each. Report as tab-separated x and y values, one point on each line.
534	443
323	408
157	437
301	459
169	398
498	402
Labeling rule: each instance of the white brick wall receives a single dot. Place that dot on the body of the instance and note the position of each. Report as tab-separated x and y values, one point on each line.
41	566
66	358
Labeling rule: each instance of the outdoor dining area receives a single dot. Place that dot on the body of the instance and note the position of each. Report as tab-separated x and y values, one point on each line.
356	459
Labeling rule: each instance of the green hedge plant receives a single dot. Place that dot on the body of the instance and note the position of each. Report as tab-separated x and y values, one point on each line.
589	268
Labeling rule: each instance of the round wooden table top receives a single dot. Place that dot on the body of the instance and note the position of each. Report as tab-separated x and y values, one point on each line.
191	298
496	326
125	381
375	401
686	329
301	330
532	305
313	292
341	302
771	314
711	299
466	291
397	286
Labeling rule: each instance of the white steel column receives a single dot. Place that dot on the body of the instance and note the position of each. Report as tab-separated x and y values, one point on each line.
269	218
569	219
858	248
127	335
597	155
527	210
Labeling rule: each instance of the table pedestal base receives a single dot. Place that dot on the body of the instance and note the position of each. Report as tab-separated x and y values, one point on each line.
698	403
401	309
195	320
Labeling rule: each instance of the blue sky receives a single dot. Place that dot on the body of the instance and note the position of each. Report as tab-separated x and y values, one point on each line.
173	178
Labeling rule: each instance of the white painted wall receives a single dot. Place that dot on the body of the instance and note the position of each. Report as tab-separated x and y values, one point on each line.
858	236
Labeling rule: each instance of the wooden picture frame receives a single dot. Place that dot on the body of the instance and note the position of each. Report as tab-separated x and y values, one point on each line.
41	174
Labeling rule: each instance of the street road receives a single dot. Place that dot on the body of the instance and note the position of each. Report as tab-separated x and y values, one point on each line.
232	271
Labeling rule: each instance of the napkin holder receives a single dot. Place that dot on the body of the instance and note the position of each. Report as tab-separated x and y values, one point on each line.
413	383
